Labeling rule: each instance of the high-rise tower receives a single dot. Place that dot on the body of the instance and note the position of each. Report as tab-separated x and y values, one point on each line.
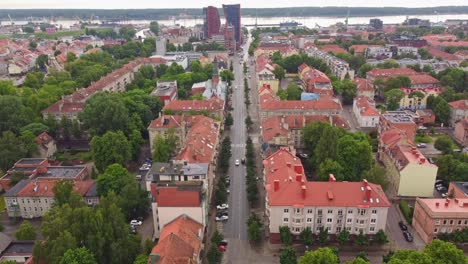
232	13
212	23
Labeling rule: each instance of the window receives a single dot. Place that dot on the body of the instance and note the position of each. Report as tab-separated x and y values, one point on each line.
285	220
309	220
374	211
310	211
318	228
35	209
373	220
330	211
445	222
338	229
319	220
328	229
361	222
437	221
297	221
349	220
329	220
348	228
339	221
436	230
319	212
286	210
459	222
466	222
449	230
363	211
350	211
298	211
196	177
355	229
45	200
297	229
28	200
372	229
340	212
451	222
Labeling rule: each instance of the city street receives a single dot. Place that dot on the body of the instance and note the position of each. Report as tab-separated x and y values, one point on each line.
239	249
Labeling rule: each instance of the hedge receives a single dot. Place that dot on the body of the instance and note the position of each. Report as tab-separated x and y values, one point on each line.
406	211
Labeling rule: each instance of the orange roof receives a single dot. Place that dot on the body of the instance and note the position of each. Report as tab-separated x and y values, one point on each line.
362	48
43	138
460	104
365	107
45	188
363	85
406	154
442	54
423	78
166	121
288	186
447	205
393	72
392	136
272	127
212	104
201	141
333	48
180	241
270	102
172	196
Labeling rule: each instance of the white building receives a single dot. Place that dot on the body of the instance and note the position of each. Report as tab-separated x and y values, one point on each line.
365	112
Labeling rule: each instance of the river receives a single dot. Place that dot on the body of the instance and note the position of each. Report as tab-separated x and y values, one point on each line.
310	22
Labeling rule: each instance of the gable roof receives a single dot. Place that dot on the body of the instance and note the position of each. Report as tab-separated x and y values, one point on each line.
173	196
460	104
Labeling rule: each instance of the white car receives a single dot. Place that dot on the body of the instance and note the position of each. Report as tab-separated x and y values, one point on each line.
222	206
222	218
138	177
237	162
136	223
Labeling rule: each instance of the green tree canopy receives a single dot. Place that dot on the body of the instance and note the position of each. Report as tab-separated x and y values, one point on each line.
26	231
444	143
78	256
154	27
288	256
393	98
285	235
294	91
279	72
111	148
319	256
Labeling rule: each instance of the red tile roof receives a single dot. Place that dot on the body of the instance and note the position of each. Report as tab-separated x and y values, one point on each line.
172	196
362	48
406	154
272	127
45	188
212	104
201	142
43	138
180	241
270	102
333	48
423	78
393	72
365	107
363	85
442	54
287	186
460	104
166	121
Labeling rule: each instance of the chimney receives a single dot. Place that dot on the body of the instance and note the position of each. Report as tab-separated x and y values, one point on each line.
331	178
422	160
365	183
304	191
437	204
298	177
298	168
288	164
368	193
446	204
276	185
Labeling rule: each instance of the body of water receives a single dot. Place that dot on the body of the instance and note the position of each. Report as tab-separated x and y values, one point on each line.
310	22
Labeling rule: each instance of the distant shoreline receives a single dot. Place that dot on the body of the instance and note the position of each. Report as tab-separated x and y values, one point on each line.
164	14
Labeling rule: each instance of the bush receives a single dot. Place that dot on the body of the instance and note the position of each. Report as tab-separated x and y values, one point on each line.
406	211
423	139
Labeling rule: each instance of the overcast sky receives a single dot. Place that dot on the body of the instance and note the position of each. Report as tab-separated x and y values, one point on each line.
126	4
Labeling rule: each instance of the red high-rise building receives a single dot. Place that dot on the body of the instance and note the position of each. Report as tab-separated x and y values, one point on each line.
212	22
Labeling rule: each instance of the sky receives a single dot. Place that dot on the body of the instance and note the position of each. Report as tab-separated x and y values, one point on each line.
137	4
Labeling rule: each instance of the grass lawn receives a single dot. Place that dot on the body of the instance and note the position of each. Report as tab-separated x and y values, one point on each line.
423	139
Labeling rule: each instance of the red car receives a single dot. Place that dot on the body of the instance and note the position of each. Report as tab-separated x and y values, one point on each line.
222	248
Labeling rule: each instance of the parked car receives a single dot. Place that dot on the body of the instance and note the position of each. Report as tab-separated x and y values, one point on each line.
222	206
421	145
221	217
138	177
402	226
228	181
144	167
223	243
136	222
243	160
441	189
408	236
237	162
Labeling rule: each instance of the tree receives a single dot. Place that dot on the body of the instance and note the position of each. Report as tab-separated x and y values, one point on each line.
13	115
381	237
357	260
114	179
435	252
378	175
343	236
154	27
442	111
217	237
279	72
26	231
42	61
35	128
306	236
397	83
319	256
354	156
227	76
127	33
347	89
79	256
111	148
424	53
13	148
364	69
285	235
393	98
282	94
29	30
33	45
444	144
323	236
288	256
254	230
294	91
229	120
141	259
328	167
161	149
64	194
214	256
71	57
361	239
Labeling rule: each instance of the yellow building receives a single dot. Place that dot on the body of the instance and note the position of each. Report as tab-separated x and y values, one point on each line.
412	101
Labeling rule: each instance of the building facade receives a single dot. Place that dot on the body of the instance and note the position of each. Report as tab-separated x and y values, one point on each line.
232	13
458	111
365	112
211	22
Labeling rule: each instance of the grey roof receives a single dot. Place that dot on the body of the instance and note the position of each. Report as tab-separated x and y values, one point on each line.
30	161
462	186
4	242
176	169
92	192
66	172
15	189
19	248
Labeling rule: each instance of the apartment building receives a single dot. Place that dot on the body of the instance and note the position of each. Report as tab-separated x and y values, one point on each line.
458	111
438	216
461	132
271	105
458	189
213	106
339	67
364	88
166	91
402	120
335	206
33	198
365	112
314	81
71	105
265	75
410	101
172	199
